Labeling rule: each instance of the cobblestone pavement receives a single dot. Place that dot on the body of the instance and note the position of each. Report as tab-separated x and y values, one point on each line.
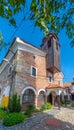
49	120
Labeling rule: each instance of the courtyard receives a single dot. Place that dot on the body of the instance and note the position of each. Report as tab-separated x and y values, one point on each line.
54	119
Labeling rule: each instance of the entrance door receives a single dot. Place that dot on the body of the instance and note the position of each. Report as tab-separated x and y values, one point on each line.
52	98
49	98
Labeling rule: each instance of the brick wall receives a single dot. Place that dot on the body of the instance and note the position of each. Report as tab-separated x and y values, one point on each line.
23	77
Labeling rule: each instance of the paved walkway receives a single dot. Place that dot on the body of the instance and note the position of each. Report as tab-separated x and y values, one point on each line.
50	120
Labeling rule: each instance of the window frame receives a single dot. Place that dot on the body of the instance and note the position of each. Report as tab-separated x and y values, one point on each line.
29	97
41	95
10	67
57	46
49	79
32	69
49	43
59	83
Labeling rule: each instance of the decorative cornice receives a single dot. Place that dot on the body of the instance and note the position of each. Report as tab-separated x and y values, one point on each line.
22	45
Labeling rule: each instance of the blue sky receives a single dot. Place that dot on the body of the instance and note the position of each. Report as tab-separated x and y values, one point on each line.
34	36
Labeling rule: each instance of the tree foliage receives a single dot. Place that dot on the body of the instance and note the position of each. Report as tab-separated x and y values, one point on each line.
14	104
8	9
49	15
1	41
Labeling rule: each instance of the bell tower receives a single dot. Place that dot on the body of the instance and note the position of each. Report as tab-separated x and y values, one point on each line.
51	45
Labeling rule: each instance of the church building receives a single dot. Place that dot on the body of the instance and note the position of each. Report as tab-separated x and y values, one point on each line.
33	73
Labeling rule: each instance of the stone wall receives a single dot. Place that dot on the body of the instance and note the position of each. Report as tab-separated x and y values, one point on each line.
21	77
7	79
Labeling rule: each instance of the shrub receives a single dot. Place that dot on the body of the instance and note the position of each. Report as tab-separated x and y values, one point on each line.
65	102
46	106
72	104
1	106
30	109
14	104
2	114
13	118
38	110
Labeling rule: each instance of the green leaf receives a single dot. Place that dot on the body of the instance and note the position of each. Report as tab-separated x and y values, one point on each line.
17	9
2	44
33	5
12	21
72	43
9	11
52	15
1	10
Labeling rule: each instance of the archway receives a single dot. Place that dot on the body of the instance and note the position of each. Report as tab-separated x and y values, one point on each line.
28	97
41	98
49	98
52	98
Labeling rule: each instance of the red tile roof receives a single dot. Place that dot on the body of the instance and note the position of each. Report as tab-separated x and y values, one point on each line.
71	90
67	84
55	86
51	86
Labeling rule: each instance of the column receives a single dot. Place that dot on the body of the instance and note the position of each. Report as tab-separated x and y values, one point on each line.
58	101
36	101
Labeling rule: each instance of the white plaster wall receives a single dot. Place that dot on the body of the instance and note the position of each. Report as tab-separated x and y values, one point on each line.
6	91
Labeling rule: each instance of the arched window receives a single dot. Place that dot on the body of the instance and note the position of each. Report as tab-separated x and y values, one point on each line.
41	95
28	96
49	43
10	70
57	46
50	79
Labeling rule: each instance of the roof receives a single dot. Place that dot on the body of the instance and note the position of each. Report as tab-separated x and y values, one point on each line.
15	40
67	84
51	86
50	35
71	90
29	44
53	34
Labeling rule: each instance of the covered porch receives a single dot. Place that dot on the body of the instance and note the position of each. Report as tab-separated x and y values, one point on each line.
55	94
